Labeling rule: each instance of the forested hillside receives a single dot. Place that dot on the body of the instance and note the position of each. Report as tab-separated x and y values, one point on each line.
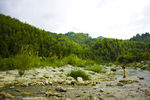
145	37
19	38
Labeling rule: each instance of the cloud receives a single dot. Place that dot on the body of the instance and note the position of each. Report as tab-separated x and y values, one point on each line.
109	18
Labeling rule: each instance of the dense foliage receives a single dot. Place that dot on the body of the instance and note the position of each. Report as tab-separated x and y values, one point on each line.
144	37
18	39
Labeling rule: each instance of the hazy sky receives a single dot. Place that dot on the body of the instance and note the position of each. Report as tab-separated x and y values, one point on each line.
108	18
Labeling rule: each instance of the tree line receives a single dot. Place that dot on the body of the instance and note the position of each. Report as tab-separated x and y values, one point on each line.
16	35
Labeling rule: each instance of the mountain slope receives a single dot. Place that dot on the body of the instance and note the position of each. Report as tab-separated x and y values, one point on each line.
15	34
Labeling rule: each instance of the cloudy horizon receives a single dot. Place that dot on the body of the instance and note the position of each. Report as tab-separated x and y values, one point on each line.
120	19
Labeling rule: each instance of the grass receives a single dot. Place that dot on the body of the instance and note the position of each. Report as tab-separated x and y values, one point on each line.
25	62
72	60
95	68
20	61
78	73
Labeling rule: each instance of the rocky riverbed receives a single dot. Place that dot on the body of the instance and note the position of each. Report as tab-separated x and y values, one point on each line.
52	84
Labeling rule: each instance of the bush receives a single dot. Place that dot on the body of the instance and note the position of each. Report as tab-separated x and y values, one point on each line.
7	63
78	73
95	68
89	62
20	61
75	61
59	63
23	62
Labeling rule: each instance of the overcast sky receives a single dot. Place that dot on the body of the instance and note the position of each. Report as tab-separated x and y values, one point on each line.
109	18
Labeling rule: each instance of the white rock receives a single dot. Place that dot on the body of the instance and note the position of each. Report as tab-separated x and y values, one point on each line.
79	79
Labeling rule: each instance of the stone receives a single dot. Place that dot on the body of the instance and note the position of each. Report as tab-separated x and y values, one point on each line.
147	92
34	98
17	90
25	84
120	84
78	95
70	78
4	95
46	76
60	89
101	98
141	78
54	70
126	81
145	67
70	88
46	82
73	82
109	84
79	79
21	80
90	97
110	95
101	90
49	93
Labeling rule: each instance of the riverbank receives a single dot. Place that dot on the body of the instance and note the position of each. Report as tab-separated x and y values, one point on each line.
53	84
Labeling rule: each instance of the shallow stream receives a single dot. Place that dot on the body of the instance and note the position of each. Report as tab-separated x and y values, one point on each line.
107	90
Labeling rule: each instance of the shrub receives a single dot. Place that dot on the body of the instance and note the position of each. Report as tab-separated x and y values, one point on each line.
95	68
20	61
7	63
75	61
59	63
78	73
89	62
23	62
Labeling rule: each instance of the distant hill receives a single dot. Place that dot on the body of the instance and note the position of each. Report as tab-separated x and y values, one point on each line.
82	38
145	37
100	37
